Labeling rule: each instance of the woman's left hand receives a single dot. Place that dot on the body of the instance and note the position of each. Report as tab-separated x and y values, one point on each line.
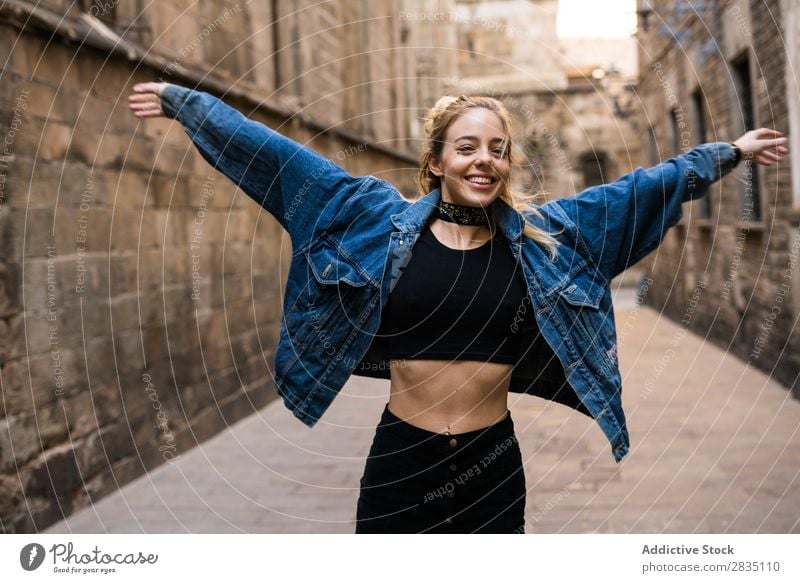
763	145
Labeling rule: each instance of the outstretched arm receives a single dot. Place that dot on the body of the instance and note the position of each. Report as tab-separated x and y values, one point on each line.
289	180
623	221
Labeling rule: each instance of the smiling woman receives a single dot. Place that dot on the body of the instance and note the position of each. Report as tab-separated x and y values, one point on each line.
468	157
499	294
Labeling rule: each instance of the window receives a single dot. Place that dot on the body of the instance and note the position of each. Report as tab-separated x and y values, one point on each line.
674	131
298	68
288	59
652	147
699	130
277	70
471	46
744	119
792	66
699	116
366	31
531	146
593	168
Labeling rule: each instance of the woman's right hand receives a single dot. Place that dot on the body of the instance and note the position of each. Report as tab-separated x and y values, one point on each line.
146	100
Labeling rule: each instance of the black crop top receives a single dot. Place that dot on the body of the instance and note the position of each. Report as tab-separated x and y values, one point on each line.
457	304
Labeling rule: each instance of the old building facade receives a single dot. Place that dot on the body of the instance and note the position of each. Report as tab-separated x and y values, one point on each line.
140	292
729	271
573	100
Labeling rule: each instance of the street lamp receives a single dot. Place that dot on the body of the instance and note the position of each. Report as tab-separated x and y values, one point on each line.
610	79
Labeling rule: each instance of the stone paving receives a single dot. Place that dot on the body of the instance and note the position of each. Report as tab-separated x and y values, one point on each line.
715	449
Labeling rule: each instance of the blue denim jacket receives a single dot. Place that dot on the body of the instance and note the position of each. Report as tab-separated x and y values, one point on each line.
352	236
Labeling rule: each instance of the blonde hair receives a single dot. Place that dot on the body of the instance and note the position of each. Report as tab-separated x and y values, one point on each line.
437	121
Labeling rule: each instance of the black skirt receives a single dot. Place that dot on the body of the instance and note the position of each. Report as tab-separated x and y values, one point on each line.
418	481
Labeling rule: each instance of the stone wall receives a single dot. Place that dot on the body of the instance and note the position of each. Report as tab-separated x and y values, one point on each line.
732	262
140	291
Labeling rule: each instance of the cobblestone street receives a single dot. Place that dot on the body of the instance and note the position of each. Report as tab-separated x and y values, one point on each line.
714	450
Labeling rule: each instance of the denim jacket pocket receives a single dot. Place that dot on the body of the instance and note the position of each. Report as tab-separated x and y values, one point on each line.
585	289
331	267
587	320
331	288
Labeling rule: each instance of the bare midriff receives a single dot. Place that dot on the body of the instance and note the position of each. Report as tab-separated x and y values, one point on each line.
447	396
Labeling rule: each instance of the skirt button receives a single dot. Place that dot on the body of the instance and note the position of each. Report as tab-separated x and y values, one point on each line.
453	442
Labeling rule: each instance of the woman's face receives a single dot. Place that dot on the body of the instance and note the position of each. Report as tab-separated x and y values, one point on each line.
474	166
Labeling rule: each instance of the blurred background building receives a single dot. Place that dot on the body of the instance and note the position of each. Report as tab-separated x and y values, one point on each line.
571	96
708	71
129	268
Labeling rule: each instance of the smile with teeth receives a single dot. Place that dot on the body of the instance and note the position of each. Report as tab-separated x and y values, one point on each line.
480	179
